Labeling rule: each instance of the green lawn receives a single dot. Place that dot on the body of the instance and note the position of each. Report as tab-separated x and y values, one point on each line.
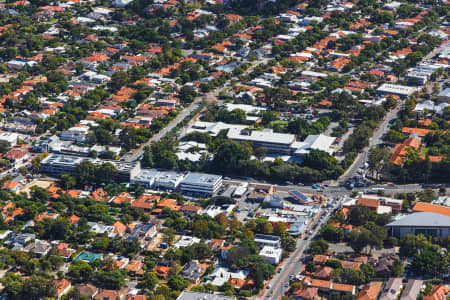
278	123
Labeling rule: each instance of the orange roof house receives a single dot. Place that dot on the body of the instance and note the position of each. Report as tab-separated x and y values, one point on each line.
11	185
145	201
96	57
401	150
170	203
232	18
338	64
433	158
46	215
306	293
419	131
427	122
73	219
438	293
427	207
370	291
62	286
95	115
325	103
123	197
99	195
119	228
162	271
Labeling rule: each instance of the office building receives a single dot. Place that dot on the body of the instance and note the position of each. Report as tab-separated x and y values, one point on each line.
314	142
56	164
200	183
267	240
9	137
395	89
77	134
273	142
271	254
168	180
444	96
187	295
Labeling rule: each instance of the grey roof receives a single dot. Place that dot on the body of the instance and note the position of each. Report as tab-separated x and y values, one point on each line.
391	289
422	219
202	296
411	290
445	93
299	195
201	179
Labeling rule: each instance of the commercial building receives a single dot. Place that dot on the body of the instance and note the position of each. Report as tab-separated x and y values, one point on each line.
426	223
444	96
200	183
145	178
9	137
187	295
271	254
273	142
56	164
314	142
168	180
77	134
395	89
267	240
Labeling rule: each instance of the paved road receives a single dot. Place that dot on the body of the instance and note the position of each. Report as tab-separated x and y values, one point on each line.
334	191
280	282
162	133
211	97
376	139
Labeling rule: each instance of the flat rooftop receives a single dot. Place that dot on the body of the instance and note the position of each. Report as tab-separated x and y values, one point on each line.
201	179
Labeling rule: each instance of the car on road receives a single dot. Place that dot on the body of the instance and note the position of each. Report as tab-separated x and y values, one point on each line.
300	184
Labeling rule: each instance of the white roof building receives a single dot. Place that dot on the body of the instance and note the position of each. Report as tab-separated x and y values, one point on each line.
401	90
271	254
222	275
186	241
315	142
9	137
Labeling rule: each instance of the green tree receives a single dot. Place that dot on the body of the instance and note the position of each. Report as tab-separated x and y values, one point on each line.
113	279
149	281
378	156
187	94
37	287
81	271
332	233
67	181
397	268
118	80
427	262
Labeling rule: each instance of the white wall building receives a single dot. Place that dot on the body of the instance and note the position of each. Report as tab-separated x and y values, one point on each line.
9	137
200	183
271	254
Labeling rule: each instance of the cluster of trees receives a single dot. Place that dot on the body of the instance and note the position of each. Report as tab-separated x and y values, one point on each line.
428	259
236	116
371	232
349	276
34	288
90	174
